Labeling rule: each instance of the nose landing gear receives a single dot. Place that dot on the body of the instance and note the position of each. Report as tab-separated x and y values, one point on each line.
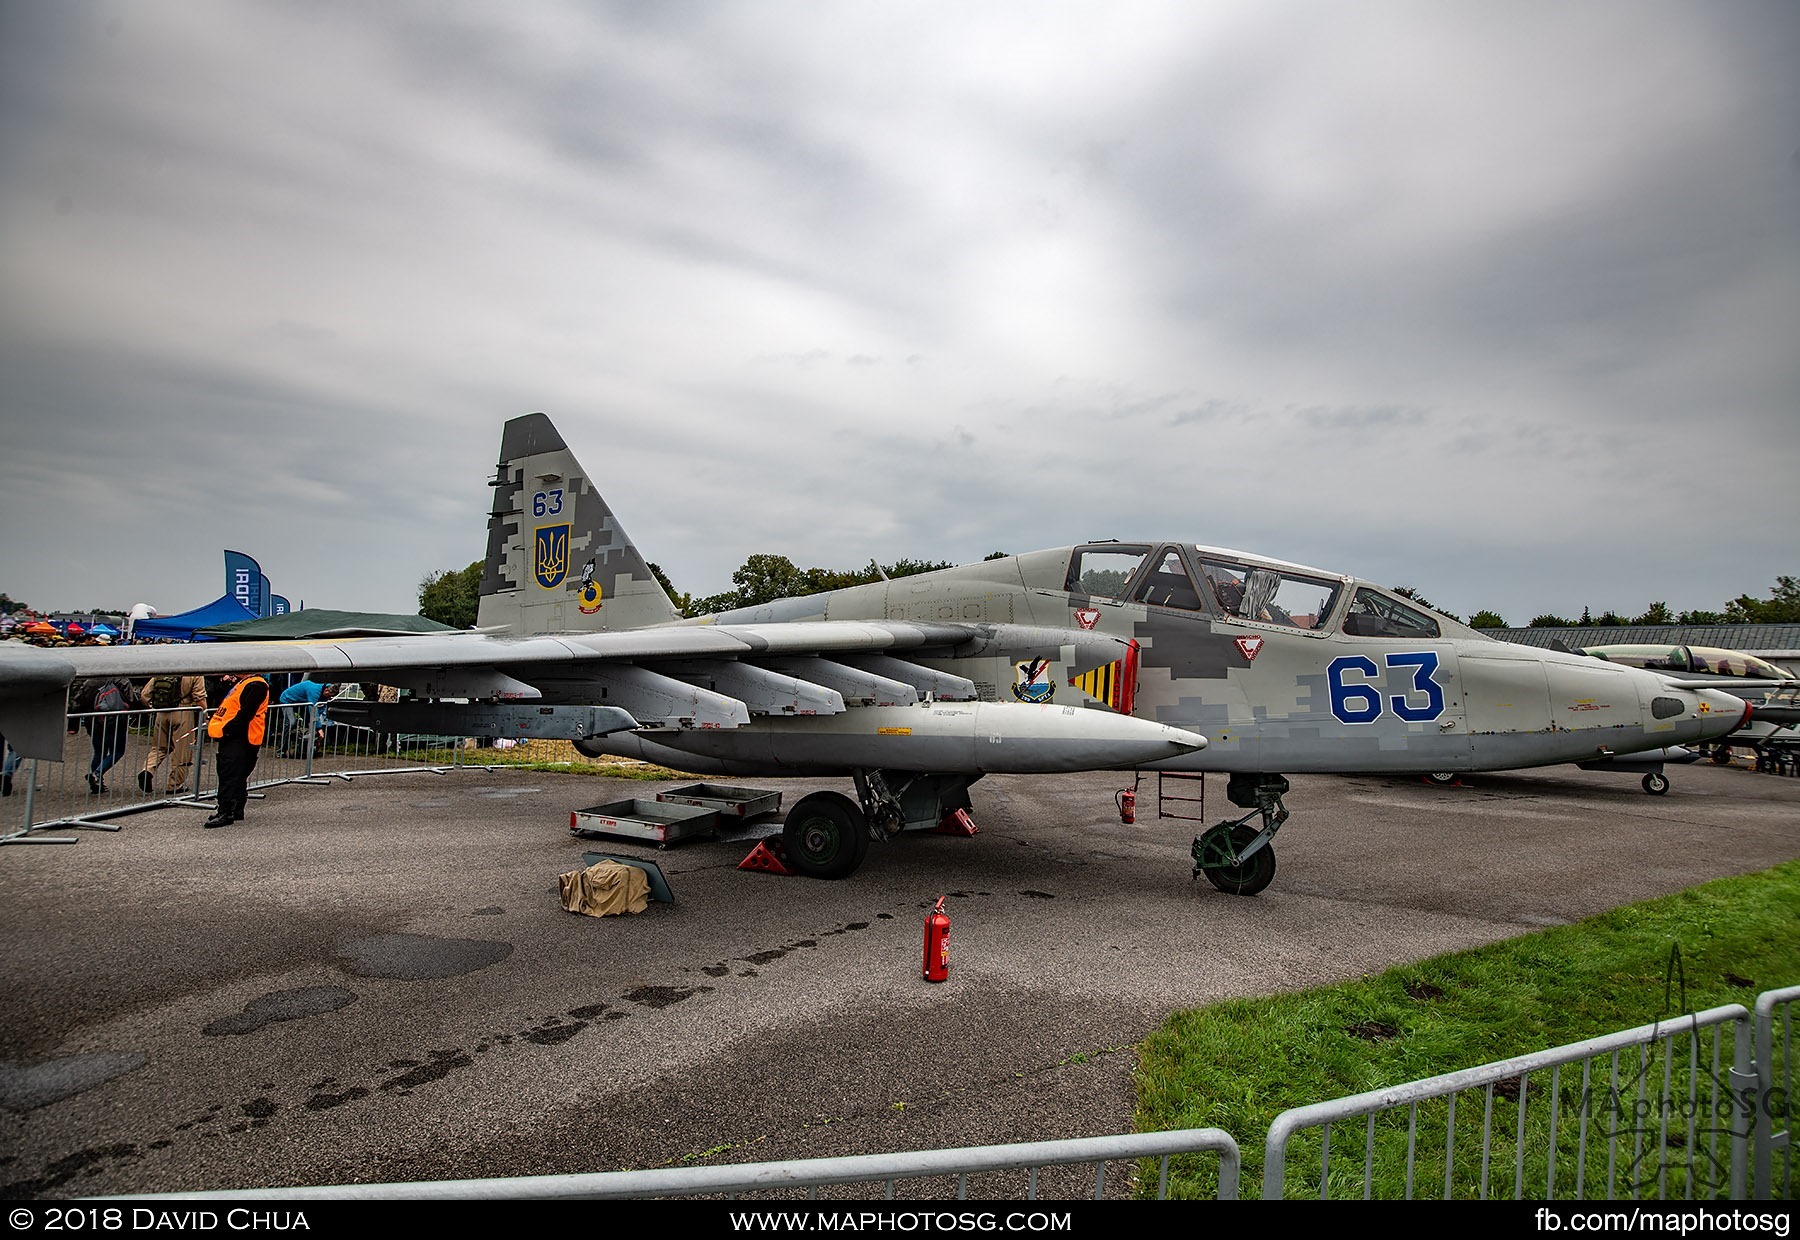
1236	857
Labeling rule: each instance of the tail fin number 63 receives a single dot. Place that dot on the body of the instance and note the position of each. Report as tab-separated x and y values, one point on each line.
1359	701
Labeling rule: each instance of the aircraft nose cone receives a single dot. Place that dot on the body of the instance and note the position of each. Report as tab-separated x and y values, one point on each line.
1720	712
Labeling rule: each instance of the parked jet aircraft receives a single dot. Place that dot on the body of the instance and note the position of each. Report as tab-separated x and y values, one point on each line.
1155	655
1773	690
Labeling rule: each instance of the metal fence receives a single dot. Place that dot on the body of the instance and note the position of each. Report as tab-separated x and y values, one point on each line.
996	1172
1773	1045
120	763
1669	1110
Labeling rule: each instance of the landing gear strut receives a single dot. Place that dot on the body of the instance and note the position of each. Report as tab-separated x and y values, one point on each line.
827	834
1236	857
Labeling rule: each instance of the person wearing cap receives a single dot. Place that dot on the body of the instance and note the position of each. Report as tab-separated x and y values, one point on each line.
238	726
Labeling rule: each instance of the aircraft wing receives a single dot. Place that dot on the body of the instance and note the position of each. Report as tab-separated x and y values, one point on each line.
694	675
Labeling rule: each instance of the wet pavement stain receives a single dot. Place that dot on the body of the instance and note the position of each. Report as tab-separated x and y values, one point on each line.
64	1169
442	1064
325	1102
417	957
552	1035
492	910
282	1005
663	996
25	1089
1037	895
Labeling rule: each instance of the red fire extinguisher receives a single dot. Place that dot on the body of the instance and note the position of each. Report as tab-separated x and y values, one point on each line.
1127	799
937	943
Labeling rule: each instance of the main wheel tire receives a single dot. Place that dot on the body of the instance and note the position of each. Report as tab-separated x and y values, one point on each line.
825	836
1722	754
1250	877
1656	784
1442	779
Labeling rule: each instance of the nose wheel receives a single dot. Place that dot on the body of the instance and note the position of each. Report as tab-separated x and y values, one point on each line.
1656	783
1236	857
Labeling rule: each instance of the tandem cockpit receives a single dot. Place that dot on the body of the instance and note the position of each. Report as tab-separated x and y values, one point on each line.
1231	586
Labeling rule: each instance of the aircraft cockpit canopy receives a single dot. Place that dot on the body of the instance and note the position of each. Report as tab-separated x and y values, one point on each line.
1269	595
1375	614
1704	659
1200	580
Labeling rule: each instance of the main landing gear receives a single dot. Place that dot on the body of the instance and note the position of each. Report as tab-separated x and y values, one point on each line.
827	835
1235	856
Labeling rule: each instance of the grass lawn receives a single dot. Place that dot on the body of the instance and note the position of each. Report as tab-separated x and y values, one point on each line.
1237	1065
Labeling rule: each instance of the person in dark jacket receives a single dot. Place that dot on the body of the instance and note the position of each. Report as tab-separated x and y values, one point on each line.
238	726
106	703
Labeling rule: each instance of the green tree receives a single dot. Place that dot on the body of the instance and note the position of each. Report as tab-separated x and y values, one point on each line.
1421	600
1781	607
1700	617
912	568
1658	613
452	597
682	601
1487	620
764	578
1548	621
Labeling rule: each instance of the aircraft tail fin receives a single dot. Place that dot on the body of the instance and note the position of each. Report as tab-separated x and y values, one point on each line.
557	558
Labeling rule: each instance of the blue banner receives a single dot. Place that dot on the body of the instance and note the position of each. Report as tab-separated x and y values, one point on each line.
244	582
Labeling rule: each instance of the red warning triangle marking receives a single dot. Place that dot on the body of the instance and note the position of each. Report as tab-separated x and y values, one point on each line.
1249	646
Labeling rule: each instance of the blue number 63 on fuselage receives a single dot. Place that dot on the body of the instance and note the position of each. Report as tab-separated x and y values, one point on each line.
1360	701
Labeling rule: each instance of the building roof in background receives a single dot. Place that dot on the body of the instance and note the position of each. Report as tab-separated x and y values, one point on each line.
1751	638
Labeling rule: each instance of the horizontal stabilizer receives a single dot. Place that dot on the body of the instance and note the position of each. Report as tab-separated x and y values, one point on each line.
34	696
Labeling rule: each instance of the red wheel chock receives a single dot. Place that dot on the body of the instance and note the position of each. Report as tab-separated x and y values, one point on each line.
768	857
956	822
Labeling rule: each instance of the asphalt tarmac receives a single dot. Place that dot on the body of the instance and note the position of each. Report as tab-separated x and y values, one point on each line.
375	981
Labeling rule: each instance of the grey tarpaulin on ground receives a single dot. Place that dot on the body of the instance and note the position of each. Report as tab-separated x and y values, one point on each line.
604	889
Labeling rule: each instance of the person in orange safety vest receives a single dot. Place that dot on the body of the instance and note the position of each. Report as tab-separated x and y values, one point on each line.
238	725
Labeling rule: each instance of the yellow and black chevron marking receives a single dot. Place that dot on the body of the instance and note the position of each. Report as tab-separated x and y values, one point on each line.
1105	683
1115	683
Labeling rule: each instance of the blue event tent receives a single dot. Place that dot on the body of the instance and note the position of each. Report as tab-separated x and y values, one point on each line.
222	610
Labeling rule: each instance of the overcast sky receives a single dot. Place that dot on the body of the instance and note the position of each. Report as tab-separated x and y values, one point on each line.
1500	301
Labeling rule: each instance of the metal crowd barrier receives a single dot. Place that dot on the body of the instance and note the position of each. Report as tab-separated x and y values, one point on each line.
1774	1070
1031	1158
97	779
1669	1112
